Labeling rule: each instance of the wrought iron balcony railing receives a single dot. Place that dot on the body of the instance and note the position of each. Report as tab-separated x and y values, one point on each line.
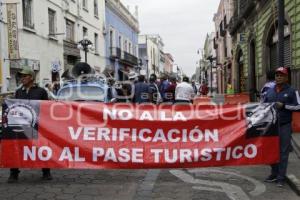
240	13
246	6
129	59
115	53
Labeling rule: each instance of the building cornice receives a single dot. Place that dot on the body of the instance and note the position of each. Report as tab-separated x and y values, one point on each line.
118	8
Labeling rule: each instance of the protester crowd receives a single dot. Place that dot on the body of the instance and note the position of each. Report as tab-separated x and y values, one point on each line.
166	89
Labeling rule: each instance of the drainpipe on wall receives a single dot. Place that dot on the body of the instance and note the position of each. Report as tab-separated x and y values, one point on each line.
281	20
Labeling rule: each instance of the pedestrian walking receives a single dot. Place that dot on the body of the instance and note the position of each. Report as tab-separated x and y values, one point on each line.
49	90
268	85
286	100
203	89
184	92
123	93
154	93
194	87
163	86
141	91
29	90
170	92
229	89
55	87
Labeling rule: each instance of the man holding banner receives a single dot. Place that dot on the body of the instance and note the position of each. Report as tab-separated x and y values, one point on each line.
29	91
286	100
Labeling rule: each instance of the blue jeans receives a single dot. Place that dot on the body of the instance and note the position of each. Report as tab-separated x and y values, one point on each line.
285	135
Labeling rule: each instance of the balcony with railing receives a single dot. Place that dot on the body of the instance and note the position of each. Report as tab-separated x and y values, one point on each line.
234	23
115	53
246	6
129	58
241	12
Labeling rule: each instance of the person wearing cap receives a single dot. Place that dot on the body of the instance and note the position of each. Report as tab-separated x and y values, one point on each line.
286	100
29	90
184	92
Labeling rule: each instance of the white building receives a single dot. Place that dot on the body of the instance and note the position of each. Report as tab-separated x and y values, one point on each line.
152	54
48	34
206	72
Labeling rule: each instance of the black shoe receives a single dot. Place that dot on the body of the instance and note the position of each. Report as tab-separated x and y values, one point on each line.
271	179
280	183
47	176
13	178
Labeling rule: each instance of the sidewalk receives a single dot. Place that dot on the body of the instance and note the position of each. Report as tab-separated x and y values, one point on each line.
294	172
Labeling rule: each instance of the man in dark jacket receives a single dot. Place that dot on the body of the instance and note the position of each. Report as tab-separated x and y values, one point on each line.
286	100
154	95
29	90
141	91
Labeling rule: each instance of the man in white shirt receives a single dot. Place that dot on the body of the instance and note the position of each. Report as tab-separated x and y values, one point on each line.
184	92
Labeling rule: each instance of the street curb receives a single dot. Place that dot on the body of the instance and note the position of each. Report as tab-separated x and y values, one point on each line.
294	183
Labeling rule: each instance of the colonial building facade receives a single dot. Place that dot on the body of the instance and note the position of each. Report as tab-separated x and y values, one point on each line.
208	70
253	27
169	62
151	53
46	37
223	45
122	29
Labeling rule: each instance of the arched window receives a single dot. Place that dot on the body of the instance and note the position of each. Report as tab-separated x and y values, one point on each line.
240	72
252	71
272	44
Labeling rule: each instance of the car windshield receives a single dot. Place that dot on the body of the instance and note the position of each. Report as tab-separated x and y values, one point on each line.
82	93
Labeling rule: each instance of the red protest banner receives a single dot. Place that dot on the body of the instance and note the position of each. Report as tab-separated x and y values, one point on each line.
94	135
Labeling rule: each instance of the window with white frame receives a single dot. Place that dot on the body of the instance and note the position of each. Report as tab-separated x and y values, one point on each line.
125	46
85	4
84	32
69	30
27	9
96	41
112	37
96	10
52	22
129	48
120	42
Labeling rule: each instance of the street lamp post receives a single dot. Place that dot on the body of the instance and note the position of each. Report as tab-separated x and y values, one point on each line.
147	68
85	45
177	70
211	60
281	20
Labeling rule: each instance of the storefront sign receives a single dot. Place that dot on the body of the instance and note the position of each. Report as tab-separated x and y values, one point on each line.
12	28
55	66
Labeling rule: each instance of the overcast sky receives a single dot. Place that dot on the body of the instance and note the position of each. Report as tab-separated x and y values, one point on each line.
183	25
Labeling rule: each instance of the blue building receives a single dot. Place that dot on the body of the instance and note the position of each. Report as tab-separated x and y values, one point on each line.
122	30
